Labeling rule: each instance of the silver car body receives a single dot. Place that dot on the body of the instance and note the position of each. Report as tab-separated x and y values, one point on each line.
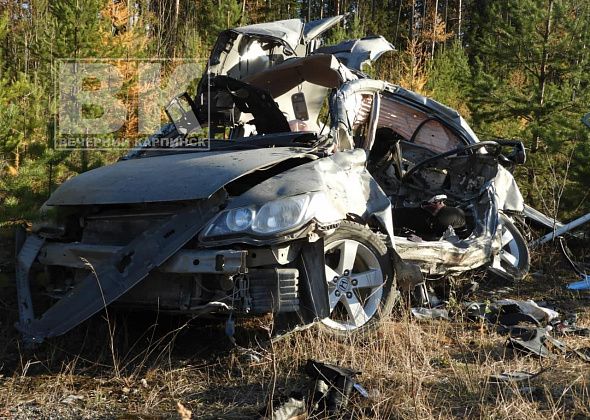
144	224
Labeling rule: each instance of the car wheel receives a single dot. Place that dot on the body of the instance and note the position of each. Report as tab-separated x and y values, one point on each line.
360	277
514	254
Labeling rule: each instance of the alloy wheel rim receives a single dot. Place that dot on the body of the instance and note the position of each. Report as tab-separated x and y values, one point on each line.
355	284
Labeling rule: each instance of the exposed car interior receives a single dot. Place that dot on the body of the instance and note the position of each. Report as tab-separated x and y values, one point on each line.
290	97
430	174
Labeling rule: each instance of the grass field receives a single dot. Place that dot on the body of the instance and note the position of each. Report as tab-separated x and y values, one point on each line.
150	366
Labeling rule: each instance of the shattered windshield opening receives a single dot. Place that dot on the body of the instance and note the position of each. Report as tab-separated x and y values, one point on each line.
266	109
242	116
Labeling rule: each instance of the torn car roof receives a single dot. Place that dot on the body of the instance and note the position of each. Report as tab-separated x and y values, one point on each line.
356	52
323	70
289	31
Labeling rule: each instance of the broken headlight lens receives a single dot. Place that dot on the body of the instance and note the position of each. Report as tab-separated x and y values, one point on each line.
275	216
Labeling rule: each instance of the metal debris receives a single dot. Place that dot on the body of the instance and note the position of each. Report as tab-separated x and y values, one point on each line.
427	313
333	385
562	230
530	307
516	376
509	312
327	394
292	409
72	399
532	341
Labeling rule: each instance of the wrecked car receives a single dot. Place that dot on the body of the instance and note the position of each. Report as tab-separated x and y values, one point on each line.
295	207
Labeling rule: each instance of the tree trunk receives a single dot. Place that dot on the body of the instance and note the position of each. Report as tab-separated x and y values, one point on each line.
460	21
543	73
412	17
434	26
399	15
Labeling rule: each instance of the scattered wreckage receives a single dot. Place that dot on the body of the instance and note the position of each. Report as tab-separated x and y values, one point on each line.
303	206
327	393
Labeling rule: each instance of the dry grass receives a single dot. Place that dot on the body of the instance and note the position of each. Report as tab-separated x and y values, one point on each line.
157	366
412	370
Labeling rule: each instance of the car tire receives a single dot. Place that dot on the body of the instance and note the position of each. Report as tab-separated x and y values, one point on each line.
361	279
514	254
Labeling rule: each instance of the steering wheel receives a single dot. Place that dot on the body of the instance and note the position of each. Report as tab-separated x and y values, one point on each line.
448	153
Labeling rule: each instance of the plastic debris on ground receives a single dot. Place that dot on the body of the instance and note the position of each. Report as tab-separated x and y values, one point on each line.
529	307
333	385
583	284
292	409
327	394
535	341
509	312
517	376
528	325
539	342
568	326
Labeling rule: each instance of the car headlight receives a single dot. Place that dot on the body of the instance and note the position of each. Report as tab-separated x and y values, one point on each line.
275	216
281	215
238	220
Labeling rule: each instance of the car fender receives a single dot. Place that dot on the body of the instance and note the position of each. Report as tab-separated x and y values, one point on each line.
344	180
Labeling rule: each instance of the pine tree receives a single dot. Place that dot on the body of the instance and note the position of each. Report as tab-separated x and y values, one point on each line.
531	66
218	16
450	77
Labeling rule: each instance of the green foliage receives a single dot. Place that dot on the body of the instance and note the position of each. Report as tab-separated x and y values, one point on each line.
450	77
21	113
530	64
21	195
219	16
78	27
4	21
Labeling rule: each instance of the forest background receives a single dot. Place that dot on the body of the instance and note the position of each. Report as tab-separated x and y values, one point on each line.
512	68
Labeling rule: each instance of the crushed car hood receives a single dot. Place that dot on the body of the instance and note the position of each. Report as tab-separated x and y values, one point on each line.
188	176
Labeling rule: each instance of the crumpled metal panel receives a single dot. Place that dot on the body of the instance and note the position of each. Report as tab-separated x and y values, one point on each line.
508	194
24	261
356	52
342	176
444	257
317	27
288	31
187	176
